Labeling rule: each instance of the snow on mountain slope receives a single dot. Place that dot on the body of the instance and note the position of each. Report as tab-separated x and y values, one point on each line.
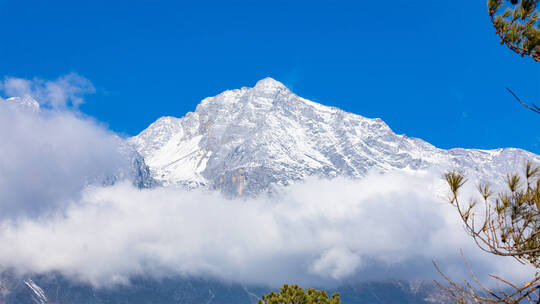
25	103
249	140
39	296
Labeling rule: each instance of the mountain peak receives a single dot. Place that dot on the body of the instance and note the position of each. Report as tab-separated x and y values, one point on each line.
269	84
25	103
244	142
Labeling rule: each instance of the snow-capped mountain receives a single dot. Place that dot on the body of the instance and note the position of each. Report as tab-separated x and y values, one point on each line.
250	140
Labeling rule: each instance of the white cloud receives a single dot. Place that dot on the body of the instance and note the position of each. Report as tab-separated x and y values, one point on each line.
336	263
17	87
67	90
48	157
319	232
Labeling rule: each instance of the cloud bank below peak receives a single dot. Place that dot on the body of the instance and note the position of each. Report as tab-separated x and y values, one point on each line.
319	232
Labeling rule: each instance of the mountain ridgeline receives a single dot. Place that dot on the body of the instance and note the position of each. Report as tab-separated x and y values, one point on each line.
251	140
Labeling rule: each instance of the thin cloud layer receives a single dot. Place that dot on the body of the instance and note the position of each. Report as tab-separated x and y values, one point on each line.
67	90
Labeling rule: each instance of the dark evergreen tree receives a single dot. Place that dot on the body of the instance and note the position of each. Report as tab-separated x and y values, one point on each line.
294	294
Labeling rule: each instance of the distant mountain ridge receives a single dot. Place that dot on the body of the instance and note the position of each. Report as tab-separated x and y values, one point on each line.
250	140
54	288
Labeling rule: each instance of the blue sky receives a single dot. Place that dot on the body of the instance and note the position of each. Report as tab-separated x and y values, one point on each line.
430	69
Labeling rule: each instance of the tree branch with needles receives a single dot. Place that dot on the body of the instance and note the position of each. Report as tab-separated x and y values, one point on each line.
507	224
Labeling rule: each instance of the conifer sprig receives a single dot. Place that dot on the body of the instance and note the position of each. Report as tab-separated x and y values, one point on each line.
517	24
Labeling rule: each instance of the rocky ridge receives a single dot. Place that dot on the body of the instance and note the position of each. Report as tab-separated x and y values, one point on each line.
251	140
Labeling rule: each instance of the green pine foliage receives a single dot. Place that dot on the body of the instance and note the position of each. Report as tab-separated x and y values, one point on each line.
294	294
517	24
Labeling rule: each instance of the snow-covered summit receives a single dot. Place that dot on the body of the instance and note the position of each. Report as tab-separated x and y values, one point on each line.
249	140
25	103
269	84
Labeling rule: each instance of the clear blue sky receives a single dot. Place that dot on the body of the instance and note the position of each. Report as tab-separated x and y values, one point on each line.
430	69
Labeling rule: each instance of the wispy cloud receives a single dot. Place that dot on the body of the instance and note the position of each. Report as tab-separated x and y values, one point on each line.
67	90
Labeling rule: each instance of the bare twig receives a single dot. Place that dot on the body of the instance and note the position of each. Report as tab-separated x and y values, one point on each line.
533	108
509	227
